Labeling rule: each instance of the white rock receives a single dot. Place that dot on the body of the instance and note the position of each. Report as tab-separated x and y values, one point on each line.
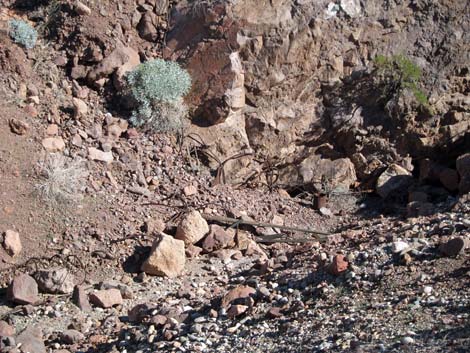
351	7
12	243
407	340
399	246
427	290
53	144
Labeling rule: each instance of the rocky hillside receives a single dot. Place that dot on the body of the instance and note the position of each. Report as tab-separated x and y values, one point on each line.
316	198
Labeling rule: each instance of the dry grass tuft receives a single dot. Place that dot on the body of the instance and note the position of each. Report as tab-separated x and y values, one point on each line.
61	179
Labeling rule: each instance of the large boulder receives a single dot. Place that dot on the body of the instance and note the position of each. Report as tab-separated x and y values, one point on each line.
167	257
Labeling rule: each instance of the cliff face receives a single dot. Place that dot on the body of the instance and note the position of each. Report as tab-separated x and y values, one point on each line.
290	82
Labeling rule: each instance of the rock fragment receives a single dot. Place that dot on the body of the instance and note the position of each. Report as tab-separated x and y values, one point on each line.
82	9
106	298
6	330
217	239
240	292
339	265
167	257
453	247
53	144
55	281
12	243
80	299
101	156
23	290
192	228
72	336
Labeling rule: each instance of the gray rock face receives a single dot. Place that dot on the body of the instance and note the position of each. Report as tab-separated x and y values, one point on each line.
55	281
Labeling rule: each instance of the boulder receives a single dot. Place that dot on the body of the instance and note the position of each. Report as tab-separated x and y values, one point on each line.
23	290
167	257
192	228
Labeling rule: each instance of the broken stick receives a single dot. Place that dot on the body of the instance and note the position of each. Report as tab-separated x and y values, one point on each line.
318	234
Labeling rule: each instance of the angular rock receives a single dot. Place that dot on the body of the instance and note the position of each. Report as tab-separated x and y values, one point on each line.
138	313
192	228
80	298
6	330
351	7
339	265
23	290
393	179
12	243
97	155
72	336
236	310
31	340
192	251
18	127
53	144
237	293
217	239
453	247
167	257
55	281
106	298
80	108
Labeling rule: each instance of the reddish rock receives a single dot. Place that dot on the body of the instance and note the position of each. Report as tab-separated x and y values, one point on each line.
106	298
30	111
31	340
274	312
239	292
23	290
52	130
339	265
192	251
190	190
217	239
453	247
80	299
236	310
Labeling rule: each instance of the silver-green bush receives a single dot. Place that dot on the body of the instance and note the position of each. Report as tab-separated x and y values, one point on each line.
157	87
22	33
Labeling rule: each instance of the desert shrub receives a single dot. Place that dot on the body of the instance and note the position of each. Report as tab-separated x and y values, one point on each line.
22	33
61	179
396	73
158	87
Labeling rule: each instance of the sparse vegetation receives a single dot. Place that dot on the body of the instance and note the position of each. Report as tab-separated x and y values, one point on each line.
158	87
397	73
22	33
62	180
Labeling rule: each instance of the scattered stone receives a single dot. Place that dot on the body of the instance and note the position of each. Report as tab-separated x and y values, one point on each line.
453	247
80	299
80	108
339	265
394	178
274	312
190	190
97	155
52	130
53	144
167	257
23	290
138	313
192	251
72	336
6	330
30	340
18	127
55	281
407	340
12	243
236	310
82	9
324	211
399	246
106	298
192	228
217	239
239	292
